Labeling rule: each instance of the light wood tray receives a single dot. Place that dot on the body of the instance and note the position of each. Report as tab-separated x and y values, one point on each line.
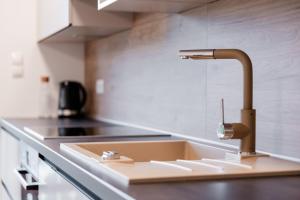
158	161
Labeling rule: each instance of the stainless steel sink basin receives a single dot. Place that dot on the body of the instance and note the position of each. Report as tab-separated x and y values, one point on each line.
171	160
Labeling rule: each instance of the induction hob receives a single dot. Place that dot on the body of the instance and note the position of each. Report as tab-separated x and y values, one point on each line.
44	133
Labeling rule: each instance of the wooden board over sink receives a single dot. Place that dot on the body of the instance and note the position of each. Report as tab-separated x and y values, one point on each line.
174	160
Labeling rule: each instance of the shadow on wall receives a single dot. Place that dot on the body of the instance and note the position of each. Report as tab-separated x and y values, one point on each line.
63	61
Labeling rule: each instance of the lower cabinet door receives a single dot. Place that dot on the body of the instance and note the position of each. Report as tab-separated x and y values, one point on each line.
4	194
54	186
10	161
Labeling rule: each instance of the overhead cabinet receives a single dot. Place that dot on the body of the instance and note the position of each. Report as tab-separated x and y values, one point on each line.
77	20
170	6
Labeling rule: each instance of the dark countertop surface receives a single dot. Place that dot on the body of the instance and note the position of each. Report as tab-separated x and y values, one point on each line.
104	187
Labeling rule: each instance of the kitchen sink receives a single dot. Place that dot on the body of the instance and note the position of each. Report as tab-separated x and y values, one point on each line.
174	160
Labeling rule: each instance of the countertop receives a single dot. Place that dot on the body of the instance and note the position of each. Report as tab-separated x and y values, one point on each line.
102	186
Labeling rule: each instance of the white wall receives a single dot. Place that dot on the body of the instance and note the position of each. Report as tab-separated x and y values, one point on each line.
19	97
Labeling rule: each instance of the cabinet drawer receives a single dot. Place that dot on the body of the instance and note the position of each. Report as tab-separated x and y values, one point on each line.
4	194
55	186
10	161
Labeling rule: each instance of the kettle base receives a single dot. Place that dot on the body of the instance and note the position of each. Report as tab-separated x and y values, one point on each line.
69	114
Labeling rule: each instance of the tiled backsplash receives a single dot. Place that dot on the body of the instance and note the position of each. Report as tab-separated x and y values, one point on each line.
147	84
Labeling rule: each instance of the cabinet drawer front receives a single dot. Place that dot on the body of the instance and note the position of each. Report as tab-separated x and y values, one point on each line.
54	186
29	158
10	161
3	193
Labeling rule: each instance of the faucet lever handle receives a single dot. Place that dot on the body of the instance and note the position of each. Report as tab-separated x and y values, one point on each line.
224	131
230	130
222	111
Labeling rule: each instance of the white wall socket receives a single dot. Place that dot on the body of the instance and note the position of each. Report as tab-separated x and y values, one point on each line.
17	71
17	58
17	62
100	86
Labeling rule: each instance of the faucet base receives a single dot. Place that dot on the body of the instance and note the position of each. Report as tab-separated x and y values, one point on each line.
241	156
247	145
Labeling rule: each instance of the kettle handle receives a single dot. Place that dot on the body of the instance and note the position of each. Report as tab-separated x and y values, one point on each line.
83	96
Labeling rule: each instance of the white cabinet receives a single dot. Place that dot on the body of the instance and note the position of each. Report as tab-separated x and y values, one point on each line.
10	161
77	20
53	16
170	6
38	179
1	189
4	195
54	186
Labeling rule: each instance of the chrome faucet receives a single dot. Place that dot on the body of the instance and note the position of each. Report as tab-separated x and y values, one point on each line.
245	130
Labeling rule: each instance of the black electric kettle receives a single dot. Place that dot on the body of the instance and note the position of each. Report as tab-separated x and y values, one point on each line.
72	97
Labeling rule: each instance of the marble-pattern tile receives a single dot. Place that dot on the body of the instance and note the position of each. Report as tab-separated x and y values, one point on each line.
147	84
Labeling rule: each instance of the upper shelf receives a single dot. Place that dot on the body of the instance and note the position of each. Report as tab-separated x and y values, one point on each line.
167	6
77	21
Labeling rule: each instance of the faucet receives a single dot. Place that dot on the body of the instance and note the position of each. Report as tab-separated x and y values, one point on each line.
244	130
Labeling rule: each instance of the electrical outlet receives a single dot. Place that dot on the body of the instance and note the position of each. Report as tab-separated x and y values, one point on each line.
17	62
17	71
17	58
100	86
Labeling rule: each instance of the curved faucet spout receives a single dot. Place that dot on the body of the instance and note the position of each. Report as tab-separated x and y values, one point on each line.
245	130
236	54
247	71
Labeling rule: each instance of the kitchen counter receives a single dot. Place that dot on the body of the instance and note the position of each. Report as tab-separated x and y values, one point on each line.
102	186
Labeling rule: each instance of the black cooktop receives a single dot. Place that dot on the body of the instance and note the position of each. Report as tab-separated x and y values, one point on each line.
44	133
